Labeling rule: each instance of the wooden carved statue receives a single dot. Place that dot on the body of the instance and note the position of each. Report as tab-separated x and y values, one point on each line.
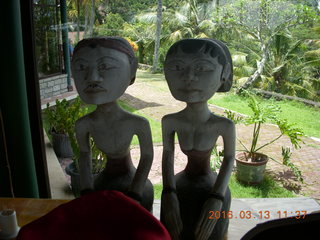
103	68
195	69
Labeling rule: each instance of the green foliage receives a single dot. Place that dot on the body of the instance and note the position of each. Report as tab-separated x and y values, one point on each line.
62	118
305	117
157	188
113	26
63	115
268	113
286	154
284	27
216	159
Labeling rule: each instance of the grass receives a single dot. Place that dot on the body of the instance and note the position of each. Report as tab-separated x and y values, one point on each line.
304	117
268	188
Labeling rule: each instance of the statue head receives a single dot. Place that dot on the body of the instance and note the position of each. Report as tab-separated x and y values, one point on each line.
103	68
195	69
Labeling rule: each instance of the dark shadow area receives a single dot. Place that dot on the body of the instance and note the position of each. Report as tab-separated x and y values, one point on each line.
138	103
287	228
287	179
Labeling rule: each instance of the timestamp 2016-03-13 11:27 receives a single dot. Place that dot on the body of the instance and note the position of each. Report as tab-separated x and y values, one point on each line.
247	214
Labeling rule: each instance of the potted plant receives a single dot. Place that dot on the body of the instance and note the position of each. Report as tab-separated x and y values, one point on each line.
98	163
251	162
98	158
61	118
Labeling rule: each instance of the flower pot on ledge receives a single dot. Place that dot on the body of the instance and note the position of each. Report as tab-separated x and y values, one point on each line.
61	145
251	171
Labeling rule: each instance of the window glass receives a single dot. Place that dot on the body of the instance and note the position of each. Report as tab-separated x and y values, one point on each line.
47	37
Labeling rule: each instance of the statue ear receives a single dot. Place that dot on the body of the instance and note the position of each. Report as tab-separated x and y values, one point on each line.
134	66
226	78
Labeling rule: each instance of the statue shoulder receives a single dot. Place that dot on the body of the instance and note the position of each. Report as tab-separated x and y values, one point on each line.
83	123
170	118
136	121
225	125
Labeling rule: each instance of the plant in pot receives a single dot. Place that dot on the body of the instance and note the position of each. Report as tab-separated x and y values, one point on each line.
61	119
251	162
98	163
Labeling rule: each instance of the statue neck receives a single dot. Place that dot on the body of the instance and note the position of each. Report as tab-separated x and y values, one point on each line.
197	112
111	107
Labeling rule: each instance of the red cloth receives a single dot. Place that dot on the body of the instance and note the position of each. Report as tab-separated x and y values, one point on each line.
98	215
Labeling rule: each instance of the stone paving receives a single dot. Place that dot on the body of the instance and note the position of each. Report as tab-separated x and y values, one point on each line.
155	102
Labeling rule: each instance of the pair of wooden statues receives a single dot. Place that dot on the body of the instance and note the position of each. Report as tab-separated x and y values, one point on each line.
195	69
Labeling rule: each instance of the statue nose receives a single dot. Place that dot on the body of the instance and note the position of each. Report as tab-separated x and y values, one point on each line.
190	75
94	76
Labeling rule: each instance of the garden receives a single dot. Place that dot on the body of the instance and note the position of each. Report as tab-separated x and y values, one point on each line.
275	51
268	187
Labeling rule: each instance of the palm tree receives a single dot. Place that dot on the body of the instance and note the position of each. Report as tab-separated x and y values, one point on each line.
192	20
158	34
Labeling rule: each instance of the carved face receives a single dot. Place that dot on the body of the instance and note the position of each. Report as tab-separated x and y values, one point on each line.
193	77
101	74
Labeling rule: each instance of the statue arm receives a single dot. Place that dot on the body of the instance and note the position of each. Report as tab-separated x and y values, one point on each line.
170	210
146	158
168	156
214	203
85	161
229	145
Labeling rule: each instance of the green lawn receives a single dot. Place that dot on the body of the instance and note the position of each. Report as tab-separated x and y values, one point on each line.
267	189
305	117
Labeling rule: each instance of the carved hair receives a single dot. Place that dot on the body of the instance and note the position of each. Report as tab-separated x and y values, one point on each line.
214	48
117	43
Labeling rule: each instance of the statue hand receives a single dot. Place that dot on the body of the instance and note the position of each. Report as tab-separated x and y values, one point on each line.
171	214
205	224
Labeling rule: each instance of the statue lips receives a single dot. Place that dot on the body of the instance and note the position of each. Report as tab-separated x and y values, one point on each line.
94	88
189	90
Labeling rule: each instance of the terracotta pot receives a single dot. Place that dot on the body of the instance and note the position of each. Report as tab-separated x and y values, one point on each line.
61	145
251	172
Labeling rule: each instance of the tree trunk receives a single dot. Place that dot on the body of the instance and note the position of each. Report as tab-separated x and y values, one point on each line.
253	78
141	50
90	18
157	40
78	20
217	6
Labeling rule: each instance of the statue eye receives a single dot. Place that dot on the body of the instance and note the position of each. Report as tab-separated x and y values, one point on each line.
176	67
82	67
204	68
102	67
105	66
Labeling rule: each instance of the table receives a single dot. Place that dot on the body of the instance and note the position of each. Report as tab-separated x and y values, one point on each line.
30	209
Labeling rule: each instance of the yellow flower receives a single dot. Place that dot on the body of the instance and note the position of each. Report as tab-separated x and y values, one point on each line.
133	44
